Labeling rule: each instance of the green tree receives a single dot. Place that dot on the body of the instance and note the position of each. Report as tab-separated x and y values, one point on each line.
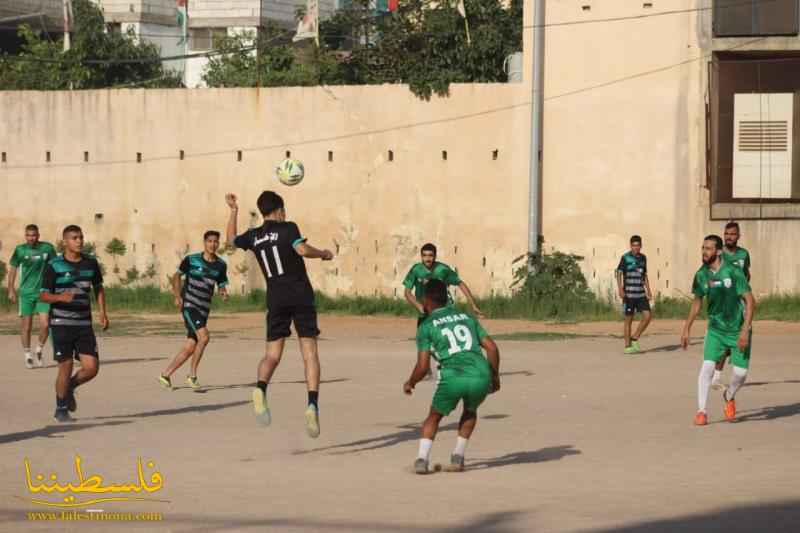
424	44
42	64
116	248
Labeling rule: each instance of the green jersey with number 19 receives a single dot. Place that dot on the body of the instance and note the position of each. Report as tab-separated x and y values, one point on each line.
454	339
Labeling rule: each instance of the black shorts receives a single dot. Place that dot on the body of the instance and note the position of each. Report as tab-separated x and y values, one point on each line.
635	305
193	320
279	319
72	341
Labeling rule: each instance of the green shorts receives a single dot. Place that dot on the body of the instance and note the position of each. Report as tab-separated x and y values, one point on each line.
717	344
453	388
29	304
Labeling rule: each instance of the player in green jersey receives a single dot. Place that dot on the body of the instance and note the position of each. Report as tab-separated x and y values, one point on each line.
30	258
738	256
427	269
730	316
454	339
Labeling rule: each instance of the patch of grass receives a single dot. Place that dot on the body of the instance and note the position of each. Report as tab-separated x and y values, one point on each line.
538	336
567	309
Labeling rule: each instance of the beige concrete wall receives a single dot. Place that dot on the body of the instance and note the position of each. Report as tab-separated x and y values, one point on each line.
624	153
624	145
377	211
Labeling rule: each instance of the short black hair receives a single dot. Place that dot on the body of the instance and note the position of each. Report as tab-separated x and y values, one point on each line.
436	290
269	202
717	240
636	238
210	233
428	247
32	227
72	228
732	224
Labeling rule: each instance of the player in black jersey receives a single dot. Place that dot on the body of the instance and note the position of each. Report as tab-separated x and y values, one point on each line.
67	284
280	249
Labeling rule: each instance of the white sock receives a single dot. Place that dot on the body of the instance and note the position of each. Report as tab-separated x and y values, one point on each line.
461	446
737	380
704	384
27	353
717	376
39	349
424	448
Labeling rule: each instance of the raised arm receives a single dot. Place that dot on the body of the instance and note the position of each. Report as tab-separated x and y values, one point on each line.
230	229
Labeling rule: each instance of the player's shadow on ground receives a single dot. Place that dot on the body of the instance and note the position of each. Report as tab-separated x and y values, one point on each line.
525	373
203	389
770	413
775	517
670	347
766	383
54	431
551	453
106	361
177	410
408	432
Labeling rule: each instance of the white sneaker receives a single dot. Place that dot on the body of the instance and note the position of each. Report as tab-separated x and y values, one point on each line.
39	361
28	361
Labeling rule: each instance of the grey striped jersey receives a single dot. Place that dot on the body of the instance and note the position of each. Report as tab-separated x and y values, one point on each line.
201	276
634	272
79	278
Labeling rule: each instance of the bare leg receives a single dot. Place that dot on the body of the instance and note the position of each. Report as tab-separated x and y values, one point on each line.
180	358
627	330
308	347
203	339
90	366
431	425
467	424
44	328
647	316
25	332
63	378
271	360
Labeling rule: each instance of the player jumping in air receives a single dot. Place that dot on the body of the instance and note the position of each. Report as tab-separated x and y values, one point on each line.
202	271
67	285
634	291
31	258
455	340
730	316
280	249
737	256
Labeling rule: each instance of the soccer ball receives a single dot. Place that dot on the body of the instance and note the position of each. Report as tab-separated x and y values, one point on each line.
290	172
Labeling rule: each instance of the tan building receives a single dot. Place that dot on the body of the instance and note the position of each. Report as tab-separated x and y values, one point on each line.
638	139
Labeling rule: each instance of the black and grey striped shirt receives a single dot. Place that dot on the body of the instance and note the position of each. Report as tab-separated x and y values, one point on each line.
634	271
201	276
79	278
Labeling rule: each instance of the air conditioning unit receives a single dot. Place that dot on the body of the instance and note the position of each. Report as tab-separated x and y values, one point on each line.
762	145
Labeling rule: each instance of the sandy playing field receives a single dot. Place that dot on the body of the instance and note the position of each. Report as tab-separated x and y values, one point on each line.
580	438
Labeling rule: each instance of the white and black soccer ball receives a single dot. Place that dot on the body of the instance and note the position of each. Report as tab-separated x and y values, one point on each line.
290	172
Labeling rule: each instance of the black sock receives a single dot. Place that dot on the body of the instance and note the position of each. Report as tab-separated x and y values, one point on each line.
634	339
73	384
61	403
263	386
313	397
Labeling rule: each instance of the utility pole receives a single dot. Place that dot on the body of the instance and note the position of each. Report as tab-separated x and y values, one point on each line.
537	109
67	25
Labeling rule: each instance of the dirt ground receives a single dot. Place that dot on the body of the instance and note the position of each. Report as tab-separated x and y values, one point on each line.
580	439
